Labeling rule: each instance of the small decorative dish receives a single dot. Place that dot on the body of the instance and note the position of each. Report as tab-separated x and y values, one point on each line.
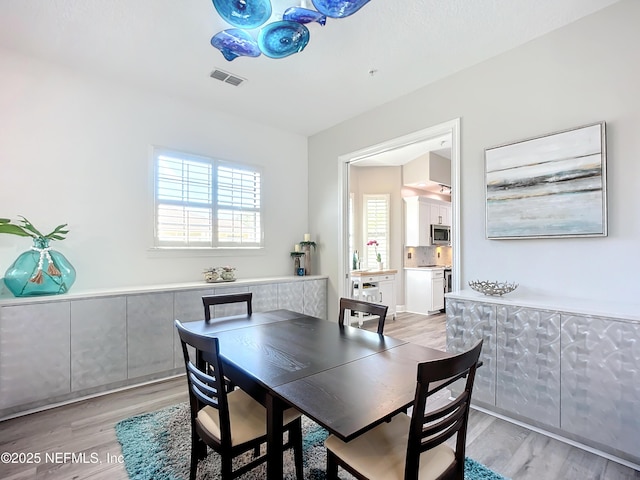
493	288
219	274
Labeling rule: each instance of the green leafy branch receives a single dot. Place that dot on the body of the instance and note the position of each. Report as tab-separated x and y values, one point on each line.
307	244
24	228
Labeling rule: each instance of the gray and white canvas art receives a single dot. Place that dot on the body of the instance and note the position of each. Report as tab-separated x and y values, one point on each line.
548	186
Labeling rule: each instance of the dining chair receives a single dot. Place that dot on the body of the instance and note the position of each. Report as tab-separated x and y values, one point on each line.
231	423
361	306
209	300
413	447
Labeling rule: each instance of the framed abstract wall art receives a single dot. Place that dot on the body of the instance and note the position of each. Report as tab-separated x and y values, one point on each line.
548	186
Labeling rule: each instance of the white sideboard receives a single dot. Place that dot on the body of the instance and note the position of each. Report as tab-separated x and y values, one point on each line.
551	364
61	348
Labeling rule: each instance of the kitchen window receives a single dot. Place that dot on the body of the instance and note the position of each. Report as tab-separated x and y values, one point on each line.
203	202
376	227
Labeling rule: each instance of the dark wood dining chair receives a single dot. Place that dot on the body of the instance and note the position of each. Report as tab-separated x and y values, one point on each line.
353	305
210	300
414	447
231	423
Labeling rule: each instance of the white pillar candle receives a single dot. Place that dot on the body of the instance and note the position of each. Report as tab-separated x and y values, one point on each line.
307	237
296	247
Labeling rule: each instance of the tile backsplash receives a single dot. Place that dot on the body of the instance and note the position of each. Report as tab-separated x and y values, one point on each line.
421	256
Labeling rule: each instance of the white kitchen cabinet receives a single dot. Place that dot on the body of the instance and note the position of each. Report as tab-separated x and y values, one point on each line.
440	213
421	213
387	294
377	287
424	290
437	292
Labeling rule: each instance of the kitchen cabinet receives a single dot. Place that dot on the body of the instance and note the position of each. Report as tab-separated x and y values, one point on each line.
424	290
375	287
440	214
421	213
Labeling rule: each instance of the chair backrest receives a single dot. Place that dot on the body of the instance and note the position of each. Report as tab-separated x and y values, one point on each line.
431	428
354	305
209	300
205	378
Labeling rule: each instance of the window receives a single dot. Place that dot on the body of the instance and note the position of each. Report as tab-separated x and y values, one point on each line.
376	227
203	202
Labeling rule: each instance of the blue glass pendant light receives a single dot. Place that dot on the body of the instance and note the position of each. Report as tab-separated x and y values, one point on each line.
284	38
304	15
234	43
278	38
244	13
339	8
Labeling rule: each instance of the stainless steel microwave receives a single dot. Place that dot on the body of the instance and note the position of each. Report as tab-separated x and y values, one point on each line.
440	235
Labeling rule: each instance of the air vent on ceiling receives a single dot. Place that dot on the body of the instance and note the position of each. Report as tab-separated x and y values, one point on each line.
226	77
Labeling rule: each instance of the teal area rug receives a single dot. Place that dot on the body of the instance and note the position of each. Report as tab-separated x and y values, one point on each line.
157	446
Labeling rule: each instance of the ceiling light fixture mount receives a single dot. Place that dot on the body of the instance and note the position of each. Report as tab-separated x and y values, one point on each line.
277	37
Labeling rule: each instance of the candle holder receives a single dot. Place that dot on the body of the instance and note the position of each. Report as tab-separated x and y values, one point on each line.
306	248
297	268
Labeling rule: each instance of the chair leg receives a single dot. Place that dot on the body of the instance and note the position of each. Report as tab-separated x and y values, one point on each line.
332	466
295	434
196	455
226	467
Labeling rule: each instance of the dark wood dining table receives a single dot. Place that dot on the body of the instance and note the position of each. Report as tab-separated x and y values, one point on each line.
346	379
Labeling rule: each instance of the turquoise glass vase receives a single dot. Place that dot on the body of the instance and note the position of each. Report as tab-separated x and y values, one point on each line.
40	271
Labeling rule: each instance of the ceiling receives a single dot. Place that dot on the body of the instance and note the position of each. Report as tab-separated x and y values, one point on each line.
387	49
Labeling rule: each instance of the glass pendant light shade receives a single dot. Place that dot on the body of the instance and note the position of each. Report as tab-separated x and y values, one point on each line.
244	13
283	38
339	8
304	15
234	43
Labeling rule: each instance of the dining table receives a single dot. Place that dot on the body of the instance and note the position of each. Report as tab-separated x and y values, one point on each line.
346	379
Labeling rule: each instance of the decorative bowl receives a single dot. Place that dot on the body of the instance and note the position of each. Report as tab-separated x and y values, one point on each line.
493	288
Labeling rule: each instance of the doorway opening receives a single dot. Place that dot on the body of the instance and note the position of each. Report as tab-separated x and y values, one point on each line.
405	145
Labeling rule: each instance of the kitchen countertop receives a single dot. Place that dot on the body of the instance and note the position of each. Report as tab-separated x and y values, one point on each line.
366	273
430	267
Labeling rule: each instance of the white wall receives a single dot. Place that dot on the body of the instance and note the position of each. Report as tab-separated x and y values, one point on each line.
75	149
585	72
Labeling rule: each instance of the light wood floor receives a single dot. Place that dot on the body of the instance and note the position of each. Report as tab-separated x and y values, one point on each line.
88	427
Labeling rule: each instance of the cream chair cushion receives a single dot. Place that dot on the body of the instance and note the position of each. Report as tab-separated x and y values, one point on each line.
380	453
247	417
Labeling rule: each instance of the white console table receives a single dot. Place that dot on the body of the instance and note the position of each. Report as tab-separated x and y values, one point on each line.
375	286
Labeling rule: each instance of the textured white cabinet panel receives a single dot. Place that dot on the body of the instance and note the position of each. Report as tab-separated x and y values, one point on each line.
187	308
528	379
468	322
290	296
37	333
265	297
601	381
188	304
150	347
230	308
315	298
98	342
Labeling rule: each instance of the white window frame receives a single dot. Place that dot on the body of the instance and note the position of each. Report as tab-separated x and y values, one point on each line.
380	233
196	200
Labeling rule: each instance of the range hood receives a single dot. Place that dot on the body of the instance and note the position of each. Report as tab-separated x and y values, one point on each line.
427	169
